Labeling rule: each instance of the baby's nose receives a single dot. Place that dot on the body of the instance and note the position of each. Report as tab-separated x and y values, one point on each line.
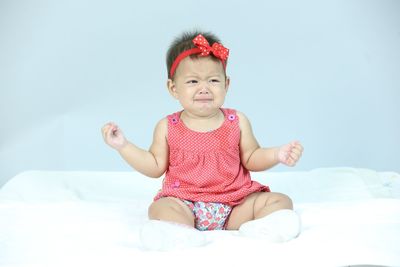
203	89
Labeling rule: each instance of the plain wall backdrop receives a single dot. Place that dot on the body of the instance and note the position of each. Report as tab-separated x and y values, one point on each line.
324	72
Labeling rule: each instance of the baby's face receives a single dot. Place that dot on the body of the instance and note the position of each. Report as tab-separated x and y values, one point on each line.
200	85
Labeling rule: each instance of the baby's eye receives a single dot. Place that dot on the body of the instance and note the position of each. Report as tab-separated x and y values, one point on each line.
191	82
214	80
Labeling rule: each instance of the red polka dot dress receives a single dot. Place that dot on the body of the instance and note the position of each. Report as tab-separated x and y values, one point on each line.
205	166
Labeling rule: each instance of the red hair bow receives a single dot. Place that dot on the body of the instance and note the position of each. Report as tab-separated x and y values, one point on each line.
218	50
204	49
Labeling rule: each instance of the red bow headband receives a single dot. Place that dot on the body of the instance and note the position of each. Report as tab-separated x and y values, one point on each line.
204	49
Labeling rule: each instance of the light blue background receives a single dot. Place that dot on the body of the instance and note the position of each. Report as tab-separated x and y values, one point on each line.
324	72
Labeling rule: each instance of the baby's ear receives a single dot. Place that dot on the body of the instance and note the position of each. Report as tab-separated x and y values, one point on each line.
227	82
172	88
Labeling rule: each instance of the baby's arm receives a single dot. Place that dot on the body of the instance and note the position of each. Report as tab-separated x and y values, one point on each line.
152	163
255	158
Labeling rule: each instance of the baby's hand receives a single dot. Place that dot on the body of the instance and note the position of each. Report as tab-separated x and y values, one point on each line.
290	153
113	136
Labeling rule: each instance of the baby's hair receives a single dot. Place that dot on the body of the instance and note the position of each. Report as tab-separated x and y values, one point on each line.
185	42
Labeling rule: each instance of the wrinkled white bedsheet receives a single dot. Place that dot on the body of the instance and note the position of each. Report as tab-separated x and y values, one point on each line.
350	216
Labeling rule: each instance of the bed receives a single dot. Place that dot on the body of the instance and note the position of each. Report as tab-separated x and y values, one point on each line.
350	216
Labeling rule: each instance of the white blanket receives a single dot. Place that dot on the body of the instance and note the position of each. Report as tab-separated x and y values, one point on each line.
350	217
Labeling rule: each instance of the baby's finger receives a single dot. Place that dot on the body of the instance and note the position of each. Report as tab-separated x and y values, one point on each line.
104	130
290	162
295	143
114	131
117	131
297	152
109	132
294	157
299	147
106	127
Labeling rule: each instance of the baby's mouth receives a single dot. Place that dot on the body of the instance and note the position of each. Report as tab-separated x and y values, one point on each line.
203	99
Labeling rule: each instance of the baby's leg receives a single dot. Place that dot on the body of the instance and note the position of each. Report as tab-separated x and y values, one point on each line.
266	215
171	209
171	226
256	206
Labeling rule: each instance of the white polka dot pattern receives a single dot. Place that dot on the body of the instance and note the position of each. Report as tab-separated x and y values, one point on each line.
205	166
217	49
